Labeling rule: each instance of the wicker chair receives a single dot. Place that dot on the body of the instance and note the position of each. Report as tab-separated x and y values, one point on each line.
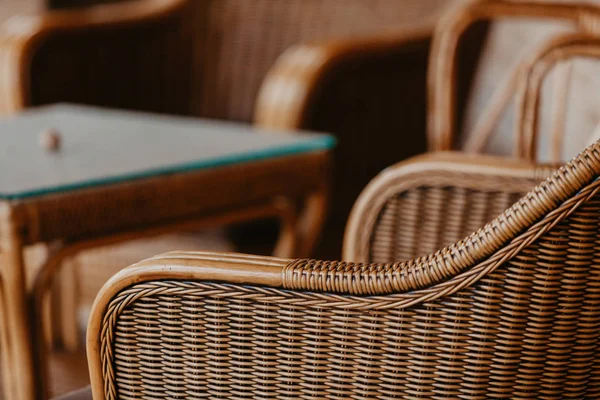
510	311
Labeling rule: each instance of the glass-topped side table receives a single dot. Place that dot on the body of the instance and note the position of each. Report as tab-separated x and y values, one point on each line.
76	177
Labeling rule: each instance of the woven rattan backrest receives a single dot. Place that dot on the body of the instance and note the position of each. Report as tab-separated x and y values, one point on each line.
427	203
434	208
124	66
519	319
585	17
219	51
236	42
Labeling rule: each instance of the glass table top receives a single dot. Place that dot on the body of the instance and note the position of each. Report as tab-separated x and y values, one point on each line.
101	146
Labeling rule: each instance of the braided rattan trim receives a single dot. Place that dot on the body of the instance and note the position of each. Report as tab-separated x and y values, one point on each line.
435	269
115	309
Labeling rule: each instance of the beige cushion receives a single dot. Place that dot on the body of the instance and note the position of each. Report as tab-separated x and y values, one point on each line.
509	42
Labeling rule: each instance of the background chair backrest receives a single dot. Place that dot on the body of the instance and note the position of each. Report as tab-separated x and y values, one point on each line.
518	30
212	62
236	42
422	205
420	211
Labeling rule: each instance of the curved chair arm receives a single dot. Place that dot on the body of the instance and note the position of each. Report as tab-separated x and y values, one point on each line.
294	83
206	266
23	35
542	208
534	213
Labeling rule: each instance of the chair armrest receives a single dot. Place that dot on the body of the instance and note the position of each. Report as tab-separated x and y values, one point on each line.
206	266
23	36
293	85
369	93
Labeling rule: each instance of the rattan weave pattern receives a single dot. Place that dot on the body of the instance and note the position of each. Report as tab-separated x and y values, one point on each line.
529	329
100	209
427	218
523	322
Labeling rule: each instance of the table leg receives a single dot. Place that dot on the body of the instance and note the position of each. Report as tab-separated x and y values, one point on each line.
65	301
310	222
19	373
41	299
287	241
5	351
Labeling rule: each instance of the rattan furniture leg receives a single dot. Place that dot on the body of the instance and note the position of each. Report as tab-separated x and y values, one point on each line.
64	305
311	219
15	331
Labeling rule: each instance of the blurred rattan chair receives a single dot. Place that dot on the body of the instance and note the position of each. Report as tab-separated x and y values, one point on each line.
510	311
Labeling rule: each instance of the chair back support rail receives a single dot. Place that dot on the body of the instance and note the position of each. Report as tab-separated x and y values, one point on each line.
510	311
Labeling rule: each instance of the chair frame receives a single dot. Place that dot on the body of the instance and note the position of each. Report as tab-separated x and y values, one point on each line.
561	48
